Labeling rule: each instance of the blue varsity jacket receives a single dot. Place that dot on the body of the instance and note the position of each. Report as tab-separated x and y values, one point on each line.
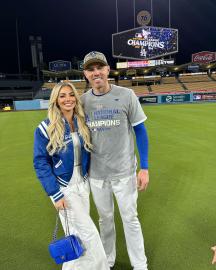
57	170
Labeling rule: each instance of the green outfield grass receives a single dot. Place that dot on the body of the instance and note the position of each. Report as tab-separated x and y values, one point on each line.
177	212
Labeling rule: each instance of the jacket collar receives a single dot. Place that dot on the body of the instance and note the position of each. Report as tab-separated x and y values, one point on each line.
67	126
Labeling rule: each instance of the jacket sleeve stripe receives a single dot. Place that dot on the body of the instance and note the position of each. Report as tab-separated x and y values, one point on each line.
43	131
63	181
44	125
57	196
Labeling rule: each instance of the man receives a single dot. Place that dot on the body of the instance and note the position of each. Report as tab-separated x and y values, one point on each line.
113	113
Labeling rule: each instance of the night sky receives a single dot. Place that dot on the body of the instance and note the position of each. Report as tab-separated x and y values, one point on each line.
74	27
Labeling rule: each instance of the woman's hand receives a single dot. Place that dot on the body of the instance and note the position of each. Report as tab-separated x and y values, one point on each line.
214	256
61	204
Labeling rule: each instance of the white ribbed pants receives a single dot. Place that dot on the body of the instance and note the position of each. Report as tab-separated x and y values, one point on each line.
76	195
125	191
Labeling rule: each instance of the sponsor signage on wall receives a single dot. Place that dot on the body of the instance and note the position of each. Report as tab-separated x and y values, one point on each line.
204	57
193	68
80	65
204	96
144	43
148	99
44	104
175	98
59	65
144	63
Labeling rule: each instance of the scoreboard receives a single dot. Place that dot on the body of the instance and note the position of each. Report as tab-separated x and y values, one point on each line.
145	43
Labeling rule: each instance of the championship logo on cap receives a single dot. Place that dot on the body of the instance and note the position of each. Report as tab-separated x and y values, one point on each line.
94	57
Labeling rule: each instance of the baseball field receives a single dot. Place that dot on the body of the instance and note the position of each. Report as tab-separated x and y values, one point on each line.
177	212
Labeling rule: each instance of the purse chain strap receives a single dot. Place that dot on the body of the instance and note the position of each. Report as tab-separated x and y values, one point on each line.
67	231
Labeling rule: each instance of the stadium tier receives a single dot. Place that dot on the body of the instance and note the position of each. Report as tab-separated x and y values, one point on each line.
77	84
172	87
194	78
17	89
146	80
213	76
43	93
125	83
80	85
210	85
169	80
48	85
156	84
140	90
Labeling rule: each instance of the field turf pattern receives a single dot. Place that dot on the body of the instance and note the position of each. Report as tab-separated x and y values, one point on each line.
177	212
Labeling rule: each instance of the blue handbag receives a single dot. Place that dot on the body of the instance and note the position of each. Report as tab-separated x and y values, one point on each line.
67	248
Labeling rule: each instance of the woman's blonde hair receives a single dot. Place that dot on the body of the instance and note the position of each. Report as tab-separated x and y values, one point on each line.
56	127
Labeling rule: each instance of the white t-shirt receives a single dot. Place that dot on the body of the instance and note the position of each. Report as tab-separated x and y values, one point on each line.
76	145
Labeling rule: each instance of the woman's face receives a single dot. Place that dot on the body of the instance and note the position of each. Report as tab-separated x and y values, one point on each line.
66	99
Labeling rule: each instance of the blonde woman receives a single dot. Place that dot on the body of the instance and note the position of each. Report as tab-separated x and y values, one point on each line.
61	161
214	255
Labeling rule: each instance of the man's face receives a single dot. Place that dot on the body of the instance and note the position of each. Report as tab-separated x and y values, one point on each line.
97	75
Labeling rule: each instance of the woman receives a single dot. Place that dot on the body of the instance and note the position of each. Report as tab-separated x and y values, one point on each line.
61	161
214	256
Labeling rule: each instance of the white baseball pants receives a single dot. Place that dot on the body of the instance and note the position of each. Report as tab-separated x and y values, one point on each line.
81	224
125	191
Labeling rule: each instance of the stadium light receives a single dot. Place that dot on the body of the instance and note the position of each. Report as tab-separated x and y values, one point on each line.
18	50
116	16
134	9
152	17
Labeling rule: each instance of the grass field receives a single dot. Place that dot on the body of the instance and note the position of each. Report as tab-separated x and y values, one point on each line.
177	212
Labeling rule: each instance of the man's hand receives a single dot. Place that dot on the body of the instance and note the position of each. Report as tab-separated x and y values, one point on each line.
214	256
61	204
142	179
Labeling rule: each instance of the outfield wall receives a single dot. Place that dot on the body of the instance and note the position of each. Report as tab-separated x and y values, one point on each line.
179	98
168	98
40	104
35	104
